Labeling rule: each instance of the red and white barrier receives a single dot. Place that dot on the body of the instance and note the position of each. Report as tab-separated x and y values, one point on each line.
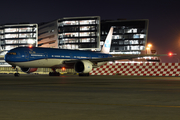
138	69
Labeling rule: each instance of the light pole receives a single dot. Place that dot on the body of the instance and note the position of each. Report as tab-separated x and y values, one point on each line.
149	48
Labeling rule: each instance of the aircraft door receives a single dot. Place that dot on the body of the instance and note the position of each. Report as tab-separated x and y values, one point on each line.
26	55
71	56
46	55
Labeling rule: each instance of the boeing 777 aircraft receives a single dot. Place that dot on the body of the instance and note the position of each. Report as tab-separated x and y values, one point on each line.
31	58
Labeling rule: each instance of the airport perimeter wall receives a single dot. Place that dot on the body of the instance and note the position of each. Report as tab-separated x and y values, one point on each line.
138	69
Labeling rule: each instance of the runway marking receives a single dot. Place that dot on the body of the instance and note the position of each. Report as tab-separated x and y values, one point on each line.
108	104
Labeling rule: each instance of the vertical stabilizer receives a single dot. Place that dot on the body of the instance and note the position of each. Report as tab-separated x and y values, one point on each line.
107	43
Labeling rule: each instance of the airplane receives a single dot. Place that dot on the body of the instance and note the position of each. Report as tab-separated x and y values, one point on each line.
31	58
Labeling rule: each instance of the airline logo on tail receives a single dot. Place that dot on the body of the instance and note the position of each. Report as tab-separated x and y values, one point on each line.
107	44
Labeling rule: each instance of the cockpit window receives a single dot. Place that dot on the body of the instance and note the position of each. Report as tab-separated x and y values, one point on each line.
11	53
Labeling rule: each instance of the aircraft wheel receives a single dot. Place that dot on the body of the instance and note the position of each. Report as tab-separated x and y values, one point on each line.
16	74
54	74
57	74
50	73
83	74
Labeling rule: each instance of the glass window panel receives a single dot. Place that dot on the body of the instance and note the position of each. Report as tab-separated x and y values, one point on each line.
126	42
23	41
83	22
117	37
11	30
139	36
11	41
121	42
133	41
69	23
28	29
133	30
1	31
142	35
11	36
23	45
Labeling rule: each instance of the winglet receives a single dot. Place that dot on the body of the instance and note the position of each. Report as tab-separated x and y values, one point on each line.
107	44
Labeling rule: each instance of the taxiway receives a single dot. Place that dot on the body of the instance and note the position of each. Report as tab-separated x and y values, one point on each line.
91	98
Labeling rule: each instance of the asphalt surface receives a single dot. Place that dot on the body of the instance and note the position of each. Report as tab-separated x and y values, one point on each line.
43	97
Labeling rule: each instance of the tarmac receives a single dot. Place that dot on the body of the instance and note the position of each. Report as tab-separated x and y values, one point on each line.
70	97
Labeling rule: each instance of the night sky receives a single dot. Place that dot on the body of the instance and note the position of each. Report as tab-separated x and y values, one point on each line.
164	16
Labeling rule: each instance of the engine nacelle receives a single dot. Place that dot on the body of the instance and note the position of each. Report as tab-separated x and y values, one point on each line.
83	66
29	70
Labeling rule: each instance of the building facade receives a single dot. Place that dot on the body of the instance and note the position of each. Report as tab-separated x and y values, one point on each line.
48	35
17	35
71	33
129	36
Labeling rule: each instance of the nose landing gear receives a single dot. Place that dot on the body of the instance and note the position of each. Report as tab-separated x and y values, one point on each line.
16	74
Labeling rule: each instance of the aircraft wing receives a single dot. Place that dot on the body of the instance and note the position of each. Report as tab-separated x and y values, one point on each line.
121	57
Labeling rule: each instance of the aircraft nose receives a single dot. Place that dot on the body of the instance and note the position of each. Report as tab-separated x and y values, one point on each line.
7	58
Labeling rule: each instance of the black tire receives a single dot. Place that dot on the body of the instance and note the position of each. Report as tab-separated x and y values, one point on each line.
54	74
50	73
57	74
83	74
16	74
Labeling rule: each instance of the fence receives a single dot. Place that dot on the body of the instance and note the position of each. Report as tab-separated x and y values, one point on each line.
138	69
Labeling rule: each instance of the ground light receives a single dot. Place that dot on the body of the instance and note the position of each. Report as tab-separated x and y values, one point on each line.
170	54
63	68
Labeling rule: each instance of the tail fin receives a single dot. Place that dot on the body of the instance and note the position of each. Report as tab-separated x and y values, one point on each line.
107	44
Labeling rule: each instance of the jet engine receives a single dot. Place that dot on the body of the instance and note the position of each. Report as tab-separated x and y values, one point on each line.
29	70
83	66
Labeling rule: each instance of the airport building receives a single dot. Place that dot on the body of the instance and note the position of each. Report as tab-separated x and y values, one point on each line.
129	36
17	35
71	33
89	33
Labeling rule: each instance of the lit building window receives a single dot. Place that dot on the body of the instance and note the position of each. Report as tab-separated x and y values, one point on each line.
139	36
9	47
11	36
133	30
18	35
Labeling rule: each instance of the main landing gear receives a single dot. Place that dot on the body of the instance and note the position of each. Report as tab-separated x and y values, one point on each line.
83	74
54	73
